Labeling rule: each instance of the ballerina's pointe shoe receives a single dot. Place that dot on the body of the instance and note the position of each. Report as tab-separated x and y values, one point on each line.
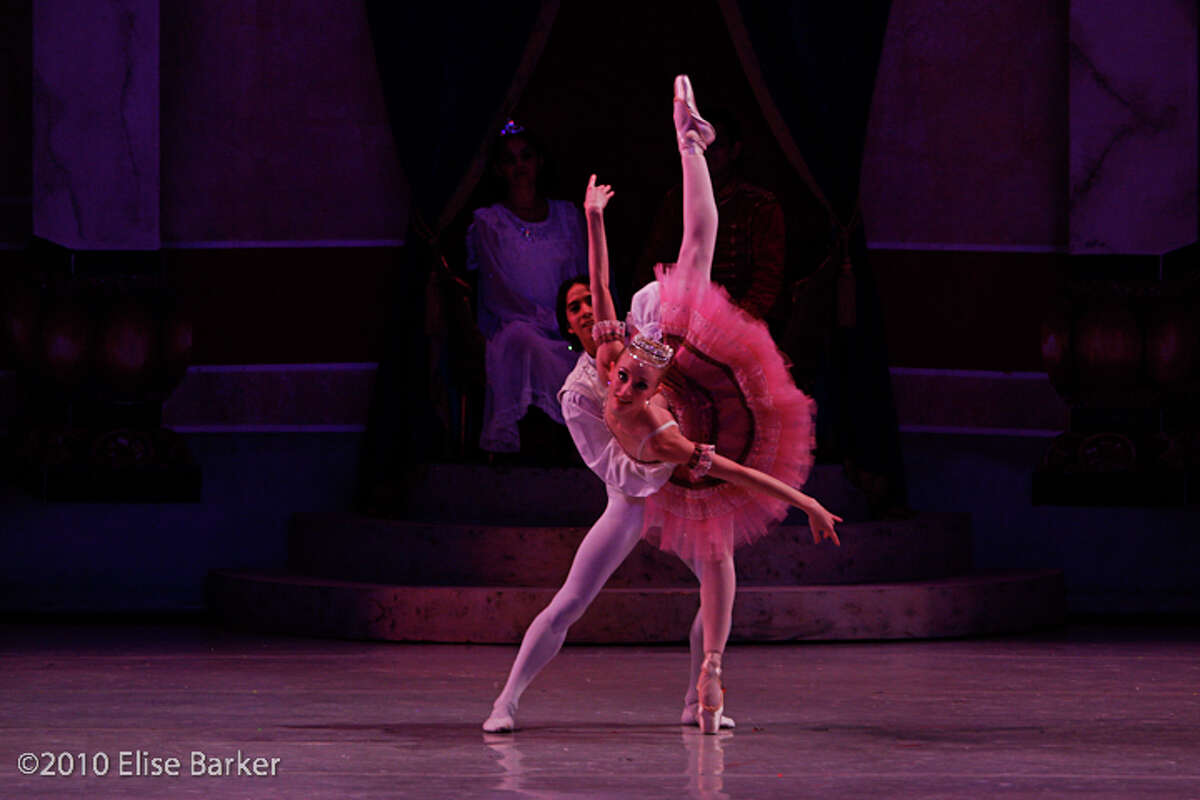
692	131
712	693
691	716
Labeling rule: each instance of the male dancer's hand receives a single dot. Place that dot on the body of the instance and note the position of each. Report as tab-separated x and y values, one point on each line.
821	523
597	197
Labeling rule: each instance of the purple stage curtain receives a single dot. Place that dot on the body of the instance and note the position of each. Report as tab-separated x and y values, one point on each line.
812	66
451	74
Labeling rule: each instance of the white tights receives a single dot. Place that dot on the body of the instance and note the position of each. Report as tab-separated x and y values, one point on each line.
717	581
694	262
602	550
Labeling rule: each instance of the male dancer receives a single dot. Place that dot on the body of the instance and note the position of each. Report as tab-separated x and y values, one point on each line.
615	533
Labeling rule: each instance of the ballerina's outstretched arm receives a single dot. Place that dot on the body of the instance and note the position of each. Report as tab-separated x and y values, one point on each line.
674	447
594	201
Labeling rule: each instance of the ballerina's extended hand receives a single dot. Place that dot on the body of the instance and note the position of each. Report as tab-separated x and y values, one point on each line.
821	520
596	197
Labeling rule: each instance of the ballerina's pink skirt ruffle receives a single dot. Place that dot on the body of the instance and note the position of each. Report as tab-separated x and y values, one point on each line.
728	386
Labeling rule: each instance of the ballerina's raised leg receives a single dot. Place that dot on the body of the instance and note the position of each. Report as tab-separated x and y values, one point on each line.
718	583
694	134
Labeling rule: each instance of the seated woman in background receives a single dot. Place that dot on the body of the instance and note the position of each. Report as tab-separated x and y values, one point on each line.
523	247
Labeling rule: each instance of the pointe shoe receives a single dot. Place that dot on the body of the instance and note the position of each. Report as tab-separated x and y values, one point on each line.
691	716
692	131
712	693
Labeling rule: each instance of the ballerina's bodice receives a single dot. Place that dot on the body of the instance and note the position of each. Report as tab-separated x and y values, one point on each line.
624	438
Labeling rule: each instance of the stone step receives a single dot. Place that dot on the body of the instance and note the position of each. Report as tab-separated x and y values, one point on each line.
359	548
973	604
515	495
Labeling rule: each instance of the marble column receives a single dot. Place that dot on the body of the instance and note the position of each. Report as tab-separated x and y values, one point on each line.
1133	126
96	123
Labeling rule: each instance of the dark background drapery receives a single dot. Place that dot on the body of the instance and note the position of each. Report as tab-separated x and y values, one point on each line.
449	77
812	67
449	74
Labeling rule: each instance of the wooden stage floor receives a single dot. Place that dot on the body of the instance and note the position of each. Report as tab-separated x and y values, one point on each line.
1088	711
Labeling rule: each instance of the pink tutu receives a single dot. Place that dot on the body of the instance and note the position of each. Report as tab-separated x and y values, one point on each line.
728	386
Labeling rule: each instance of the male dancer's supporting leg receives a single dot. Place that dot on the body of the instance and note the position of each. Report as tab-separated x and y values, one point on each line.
602	550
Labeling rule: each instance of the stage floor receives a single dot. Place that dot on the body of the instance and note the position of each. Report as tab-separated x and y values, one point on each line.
1086	712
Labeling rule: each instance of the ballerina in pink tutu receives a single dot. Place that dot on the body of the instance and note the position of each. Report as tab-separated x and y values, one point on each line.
702	386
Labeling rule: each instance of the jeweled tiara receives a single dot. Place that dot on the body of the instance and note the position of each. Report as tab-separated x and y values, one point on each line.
652	352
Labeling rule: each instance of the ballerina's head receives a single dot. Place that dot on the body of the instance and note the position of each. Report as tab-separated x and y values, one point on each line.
638	371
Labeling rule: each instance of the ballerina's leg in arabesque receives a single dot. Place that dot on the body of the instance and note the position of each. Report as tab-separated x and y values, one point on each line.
718	582
692	276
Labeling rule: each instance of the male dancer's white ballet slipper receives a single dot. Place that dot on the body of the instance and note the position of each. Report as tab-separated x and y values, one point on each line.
712	693
499	722
691	716
692	131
